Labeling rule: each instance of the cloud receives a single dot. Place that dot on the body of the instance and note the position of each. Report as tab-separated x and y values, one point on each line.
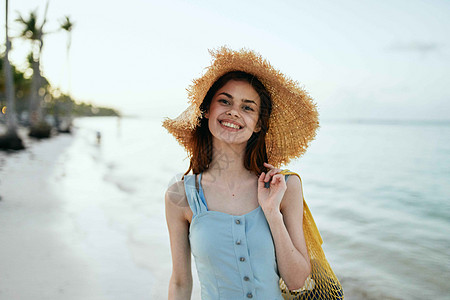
415	46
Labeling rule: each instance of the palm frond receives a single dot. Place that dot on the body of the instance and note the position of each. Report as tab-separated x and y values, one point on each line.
29	28
67	24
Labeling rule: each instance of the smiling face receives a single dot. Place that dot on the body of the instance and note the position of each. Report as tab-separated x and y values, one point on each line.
234	112
235	98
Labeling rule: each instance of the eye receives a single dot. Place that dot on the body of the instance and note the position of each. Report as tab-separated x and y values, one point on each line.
223	101
246	107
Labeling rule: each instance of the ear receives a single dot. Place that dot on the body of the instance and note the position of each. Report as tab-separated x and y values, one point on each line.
258	127
205	113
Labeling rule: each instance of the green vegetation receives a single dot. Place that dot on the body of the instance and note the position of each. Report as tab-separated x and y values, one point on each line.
55	103
27	97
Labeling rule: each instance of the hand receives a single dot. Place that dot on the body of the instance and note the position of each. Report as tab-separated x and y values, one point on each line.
270	198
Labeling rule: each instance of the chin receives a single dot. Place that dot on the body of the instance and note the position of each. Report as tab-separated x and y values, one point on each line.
233	139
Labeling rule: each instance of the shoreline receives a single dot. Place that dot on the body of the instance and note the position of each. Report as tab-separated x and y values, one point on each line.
57	239
29	224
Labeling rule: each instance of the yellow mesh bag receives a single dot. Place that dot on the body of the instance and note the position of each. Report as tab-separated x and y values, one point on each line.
322	283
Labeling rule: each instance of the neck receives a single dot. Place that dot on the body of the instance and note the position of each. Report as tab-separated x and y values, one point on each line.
228	161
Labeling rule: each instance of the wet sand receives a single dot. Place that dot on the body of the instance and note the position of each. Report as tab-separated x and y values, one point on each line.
58	240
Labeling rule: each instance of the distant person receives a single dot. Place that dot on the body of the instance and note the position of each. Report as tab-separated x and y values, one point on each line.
99	137
119	126
237	212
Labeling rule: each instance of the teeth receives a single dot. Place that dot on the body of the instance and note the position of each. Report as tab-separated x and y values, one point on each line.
230	125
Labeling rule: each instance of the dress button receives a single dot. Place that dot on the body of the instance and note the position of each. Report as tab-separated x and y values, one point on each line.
238	242
246	278
249	295
238	222
242	259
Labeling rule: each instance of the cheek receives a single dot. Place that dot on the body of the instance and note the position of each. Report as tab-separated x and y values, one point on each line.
213	111
255	121
211	123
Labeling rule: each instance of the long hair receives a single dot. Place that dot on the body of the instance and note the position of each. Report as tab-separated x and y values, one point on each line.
255	151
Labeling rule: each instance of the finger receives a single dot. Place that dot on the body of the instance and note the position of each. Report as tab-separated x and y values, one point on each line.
261	178
278	179
267	165
272	168
268	176
261	183
277	171
275	180
266	180
272	173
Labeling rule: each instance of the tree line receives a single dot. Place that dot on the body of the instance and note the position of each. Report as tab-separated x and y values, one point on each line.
27	97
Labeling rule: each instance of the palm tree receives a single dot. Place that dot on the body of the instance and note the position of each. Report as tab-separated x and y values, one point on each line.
11	140
67	25
66	107
35	33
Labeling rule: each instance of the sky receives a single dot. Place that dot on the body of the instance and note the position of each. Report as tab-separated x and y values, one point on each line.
358	59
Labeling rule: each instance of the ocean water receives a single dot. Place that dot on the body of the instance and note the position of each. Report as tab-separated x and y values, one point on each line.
379	192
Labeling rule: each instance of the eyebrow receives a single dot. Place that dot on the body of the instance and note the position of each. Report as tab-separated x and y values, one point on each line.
243	100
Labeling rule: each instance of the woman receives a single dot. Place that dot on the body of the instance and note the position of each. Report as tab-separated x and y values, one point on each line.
237	214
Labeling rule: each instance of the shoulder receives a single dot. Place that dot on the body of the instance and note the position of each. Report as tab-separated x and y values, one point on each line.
294	182
175	197
175	190
293	195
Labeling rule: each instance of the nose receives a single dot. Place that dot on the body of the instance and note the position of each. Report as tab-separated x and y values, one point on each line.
232	112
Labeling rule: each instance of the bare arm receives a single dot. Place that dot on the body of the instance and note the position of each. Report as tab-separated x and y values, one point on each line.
283	207
180	285
287	231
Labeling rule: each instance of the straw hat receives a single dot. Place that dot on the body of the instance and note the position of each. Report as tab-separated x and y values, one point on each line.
294	119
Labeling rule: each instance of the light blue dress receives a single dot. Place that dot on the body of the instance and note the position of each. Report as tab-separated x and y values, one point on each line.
234	255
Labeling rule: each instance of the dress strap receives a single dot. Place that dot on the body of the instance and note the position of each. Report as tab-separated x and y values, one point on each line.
195	203
200	190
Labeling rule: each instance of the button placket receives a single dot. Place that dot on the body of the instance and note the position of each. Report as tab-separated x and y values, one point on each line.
241	251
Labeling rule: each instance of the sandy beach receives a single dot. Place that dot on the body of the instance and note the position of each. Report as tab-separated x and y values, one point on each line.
68	233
